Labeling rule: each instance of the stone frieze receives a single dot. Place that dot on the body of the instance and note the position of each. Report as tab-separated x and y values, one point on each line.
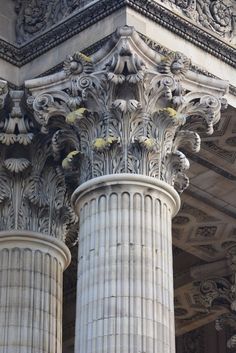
34	17
217	16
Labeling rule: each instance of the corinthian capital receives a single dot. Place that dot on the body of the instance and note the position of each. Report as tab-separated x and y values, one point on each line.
127	109
33	193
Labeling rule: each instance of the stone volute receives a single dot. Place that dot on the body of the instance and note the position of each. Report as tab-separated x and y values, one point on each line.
118	123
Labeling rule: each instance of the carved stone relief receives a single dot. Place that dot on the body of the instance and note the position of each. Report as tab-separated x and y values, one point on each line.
128	110
189	311
35	16
80	20
215	15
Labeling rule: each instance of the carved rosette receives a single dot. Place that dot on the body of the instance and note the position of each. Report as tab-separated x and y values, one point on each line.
215	292
33	192
124	113
215	15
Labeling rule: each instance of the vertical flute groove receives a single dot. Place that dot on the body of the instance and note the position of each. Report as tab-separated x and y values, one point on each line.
30	302
124	272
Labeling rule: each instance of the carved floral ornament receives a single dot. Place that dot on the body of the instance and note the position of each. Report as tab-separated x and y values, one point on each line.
127	109
215	15
35	16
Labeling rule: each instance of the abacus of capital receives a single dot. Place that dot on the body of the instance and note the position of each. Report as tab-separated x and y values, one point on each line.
110	129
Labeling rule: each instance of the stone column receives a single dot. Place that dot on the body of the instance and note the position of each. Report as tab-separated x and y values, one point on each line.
34	215
125	273
125	115
31	268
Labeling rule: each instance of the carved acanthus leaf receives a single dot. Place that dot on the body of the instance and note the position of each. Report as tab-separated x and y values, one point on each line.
33	193
128	116
5	186
16	165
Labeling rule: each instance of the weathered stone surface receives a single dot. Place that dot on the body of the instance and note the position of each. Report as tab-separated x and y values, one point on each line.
33	194
125	278
34	216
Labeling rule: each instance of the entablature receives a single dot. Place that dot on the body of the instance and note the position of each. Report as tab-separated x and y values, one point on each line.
164	22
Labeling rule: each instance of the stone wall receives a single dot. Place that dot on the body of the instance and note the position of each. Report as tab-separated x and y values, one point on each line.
7	21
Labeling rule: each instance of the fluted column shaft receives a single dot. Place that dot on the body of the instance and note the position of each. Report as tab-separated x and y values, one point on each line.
125	274
31	267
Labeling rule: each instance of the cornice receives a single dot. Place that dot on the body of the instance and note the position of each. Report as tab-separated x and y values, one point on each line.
19	55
